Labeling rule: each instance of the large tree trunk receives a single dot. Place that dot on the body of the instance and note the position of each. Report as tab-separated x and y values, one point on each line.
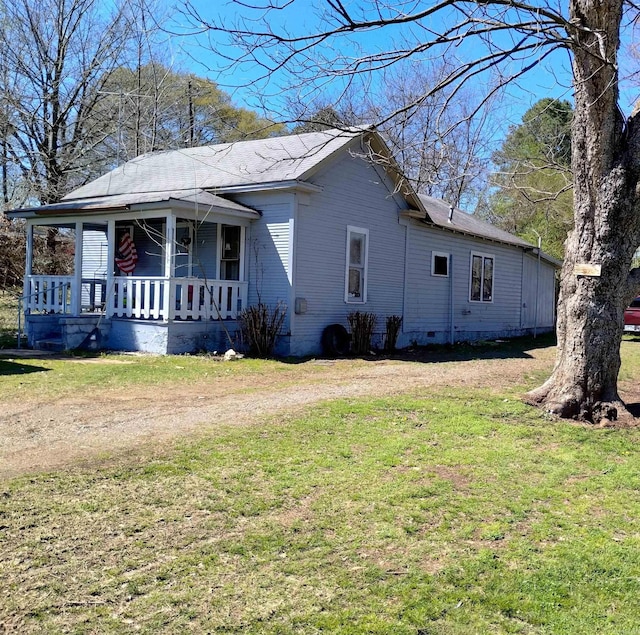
606	230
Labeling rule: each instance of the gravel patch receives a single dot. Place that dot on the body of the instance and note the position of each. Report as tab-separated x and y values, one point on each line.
39	436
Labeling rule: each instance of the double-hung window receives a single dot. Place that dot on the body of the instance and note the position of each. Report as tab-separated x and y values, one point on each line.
356	265
481	287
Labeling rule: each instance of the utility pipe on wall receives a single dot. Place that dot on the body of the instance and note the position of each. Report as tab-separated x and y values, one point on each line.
451	338
535	317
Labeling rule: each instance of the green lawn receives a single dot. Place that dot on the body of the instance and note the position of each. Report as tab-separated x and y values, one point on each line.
440	513
455	512
8	318
56	377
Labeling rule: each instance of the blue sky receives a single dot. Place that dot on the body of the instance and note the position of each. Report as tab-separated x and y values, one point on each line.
551	78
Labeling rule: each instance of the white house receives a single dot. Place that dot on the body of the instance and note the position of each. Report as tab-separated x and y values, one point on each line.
308	220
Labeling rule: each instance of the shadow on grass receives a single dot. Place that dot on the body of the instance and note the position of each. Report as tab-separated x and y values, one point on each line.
634	409
515	348
11	367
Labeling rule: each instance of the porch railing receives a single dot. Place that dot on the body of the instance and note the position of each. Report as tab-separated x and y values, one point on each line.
141	297
49	294
158	298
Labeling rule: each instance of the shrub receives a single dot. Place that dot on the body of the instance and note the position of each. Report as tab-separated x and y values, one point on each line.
260	326
394	322
362	326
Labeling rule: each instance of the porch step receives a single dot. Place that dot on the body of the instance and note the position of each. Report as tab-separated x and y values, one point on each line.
51	344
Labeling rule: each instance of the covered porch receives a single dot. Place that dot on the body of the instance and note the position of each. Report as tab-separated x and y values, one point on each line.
187	264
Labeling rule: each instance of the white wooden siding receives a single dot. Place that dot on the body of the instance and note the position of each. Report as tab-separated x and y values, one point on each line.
352	194
268	250
150	252
149	245
94	253
204	250
544	286
428	302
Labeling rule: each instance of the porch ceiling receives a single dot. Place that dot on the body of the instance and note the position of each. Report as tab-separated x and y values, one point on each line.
206	201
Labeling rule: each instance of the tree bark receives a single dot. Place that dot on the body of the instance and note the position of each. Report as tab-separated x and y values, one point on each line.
606	230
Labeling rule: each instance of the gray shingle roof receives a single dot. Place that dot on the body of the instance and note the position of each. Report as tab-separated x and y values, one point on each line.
186	174
221	166
438	211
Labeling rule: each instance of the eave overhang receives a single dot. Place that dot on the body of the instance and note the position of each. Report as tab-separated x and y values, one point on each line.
294	185
197	200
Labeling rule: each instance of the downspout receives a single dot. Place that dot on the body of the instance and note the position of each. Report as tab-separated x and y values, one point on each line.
451	336
535	317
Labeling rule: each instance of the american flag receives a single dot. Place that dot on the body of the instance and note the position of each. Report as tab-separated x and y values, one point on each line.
127	256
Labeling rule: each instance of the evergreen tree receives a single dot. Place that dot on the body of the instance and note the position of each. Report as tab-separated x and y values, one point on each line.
532	184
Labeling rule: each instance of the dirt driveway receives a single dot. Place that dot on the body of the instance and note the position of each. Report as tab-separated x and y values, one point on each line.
45	435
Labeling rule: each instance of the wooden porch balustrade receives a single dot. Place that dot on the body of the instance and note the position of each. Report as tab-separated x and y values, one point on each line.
141	297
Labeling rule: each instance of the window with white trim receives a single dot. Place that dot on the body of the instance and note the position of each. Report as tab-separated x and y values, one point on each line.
230	239
481	284
439	264
356	265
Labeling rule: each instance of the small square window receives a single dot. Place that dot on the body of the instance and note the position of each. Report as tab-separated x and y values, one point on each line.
439	264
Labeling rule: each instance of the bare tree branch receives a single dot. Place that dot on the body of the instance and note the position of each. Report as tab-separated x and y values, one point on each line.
501	41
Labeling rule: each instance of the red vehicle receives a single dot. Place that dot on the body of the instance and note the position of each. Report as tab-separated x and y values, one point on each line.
632	317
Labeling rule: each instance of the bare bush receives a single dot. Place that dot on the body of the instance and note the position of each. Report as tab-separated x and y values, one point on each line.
394	323
51	254
260	326
362	326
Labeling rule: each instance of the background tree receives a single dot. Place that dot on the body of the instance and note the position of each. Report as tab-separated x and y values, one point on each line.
532	184
81	89
153	108
509	38
439	147
322	116
51	66
55	54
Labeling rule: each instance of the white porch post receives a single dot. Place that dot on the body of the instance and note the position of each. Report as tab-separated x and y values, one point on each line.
76	291
28	267
243	288
29	262
218	249
111	258
169	300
